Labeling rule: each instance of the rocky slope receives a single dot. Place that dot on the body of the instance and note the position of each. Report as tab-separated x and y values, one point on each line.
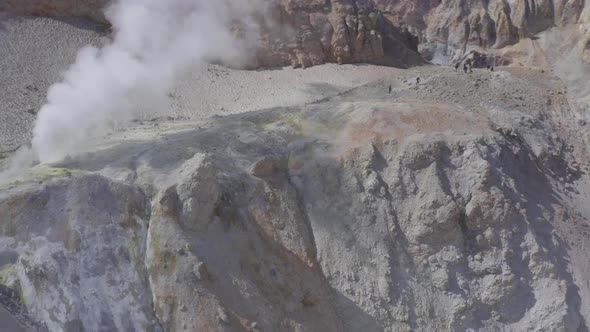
549	34
35	54
40	49
60	8
428	209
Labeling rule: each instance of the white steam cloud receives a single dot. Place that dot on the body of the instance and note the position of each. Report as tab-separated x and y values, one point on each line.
154	41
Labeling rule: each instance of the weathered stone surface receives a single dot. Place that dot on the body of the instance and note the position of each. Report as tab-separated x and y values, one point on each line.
455	26
80	246
308	33
365	213
15	317
482	60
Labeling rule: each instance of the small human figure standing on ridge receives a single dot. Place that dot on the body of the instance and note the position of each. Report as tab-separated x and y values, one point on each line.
457	66
389	88
417	80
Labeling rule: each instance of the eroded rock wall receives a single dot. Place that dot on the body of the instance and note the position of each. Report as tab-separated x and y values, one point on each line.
78	249
444	27
304	33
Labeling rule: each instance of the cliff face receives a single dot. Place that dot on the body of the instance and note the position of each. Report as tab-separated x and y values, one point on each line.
310	32
446	28
303	33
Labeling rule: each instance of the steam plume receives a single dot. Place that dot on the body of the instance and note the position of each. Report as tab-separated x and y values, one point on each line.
154	41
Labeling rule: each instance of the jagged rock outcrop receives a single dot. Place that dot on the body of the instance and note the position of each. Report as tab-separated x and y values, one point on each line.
447	27
304	33
356	213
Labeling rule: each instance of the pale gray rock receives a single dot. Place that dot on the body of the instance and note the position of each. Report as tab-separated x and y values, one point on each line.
79	245
446	30
375	214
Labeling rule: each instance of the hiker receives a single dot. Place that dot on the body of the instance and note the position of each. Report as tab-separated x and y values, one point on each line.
488	67
457	66
389	88
417	80
492	69
468	66
465	69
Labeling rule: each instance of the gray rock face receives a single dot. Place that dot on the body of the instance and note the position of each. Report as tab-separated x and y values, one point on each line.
356	213
80	247
457	25
304	33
